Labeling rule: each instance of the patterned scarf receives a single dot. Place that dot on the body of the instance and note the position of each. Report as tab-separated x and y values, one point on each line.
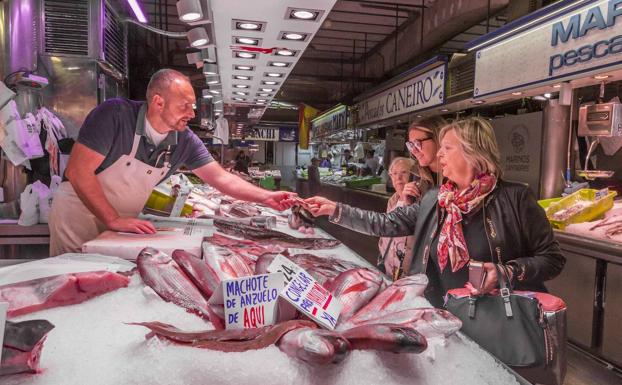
451	243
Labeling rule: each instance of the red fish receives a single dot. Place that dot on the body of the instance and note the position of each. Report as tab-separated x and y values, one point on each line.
166	278
314	346
232	340
204	278
21	348
354	288
386	337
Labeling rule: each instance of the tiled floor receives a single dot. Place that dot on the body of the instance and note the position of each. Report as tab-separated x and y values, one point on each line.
583	370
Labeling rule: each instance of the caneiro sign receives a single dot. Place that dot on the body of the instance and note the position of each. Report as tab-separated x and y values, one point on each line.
581	41
415	94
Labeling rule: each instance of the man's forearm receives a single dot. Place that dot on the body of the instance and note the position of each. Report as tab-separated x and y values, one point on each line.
92	195
239	188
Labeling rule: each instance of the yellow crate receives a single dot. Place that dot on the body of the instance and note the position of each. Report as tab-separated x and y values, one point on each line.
163	202
592	209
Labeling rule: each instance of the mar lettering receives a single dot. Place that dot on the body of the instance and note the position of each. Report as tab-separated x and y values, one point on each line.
593	19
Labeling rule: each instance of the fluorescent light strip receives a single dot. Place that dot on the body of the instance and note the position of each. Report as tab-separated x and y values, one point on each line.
137	10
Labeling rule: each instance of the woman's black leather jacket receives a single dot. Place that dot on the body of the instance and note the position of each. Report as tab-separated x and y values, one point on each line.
517	232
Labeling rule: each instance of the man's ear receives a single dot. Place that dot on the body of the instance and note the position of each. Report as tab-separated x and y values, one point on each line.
157	101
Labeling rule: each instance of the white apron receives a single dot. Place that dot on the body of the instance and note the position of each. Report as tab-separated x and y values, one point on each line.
127	184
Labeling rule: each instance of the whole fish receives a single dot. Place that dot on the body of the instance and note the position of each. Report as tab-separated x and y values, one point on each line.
401	295
430	322
225	263
231	340
354	288
166	278
245	247
323	269
266	236
386	337
314	346
21	348
204	278
61	290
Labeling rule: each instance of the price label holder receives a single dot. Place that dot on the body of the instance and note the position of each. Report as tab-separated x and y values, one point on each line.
306	294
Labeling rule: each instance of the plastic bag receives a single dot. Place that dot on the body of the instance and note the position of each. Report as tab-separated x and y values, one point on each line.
9	116
28	137
46	196
29	204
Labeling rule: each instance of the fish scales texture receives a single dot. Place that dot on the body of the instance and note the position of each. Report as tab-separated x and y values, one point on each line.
430	322
398	296
61	290
315	346
204	278
165	277
225	263
22	345
386	337
354	288
263	236
236	340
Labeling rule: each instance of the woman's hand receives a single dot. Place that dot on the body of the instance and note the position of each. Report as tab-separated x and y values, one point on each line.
320	206
490	283
410	190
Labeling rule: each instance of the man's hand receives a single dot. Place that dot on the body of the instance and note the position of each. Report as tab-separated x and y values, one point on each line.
280	200
131	225
490	283
320	206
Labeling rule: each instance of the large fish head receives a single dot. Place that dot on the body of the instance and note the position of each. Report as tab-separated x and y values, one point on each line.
154	255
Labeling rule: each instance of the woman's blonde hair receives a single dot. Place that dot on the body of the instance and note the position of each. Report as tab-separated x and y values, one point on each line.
479	144
432	125
413	167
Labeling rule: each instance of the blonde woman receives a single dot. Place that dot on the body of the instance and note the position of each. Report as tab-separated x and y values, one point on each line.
393	250
474	215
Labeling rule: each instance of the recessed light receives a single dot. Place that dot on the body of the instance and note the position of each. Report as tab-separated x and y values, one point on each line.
217	101
539	97
240	86
444	110
285	52
261	100
246	40
478	101
558	85
210	69
304	14
420	116
263	94
278	64
269	82
245	55
517	93
243	67
293	36
260	103
241	77
547	95
274	75
248	25
240	93
206	94
267	89
238	99
215	92
601	77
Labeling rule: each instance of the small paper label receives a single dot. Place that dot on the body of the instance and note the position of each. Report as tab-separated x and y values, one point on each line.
600	194
306	294
250	302
4	306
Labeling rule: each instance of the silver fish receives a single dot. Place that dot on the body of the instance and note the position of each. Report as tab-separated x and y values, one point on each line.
314	346
386	337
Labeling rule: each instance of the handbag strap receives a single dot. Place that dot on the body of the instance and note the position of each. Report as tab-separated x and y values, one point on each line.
504	286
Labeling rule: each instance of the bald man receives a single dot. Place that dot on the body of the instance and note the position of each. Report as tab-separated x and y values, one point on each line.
124	149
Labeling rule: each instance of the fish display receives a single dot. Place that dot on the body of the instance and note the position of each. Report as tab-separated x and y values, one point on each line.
203	277
248	249
354	288
21	348
232	340
167	278
224	263
398	296
61	290
314	346
323	269
266	236
386	337
430	322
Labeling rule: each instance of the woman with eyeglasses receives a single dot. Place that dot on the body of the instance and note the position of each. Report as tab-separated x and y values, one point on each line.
474	215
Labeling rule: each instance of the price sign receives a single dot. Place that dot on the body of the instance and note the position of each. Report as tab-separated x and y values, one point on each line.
250	302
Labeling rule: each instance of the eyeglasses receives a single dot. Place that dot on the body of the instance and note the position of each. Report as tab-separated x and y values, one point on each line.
399	174
416	145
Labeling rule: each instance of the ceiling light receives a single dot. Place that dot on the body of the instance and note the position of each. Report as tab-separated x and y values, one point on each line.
478	101
285	52
601	77
517	93
239	99
267	90
207	94
444	110
558	85
274	75
547	95
293	36
198	37
539	97
260	103
420	116
189	10
138	12
278	64
210	69
263	94
212	79
247	40
269	82
248	25
304	14
240	86
240	93
243	68
245	55
242	77
215	92
261	100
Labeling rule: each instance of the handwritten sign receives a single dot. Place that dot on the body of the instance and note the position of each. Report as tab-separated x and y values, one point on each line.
4	306
306	294
250	302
